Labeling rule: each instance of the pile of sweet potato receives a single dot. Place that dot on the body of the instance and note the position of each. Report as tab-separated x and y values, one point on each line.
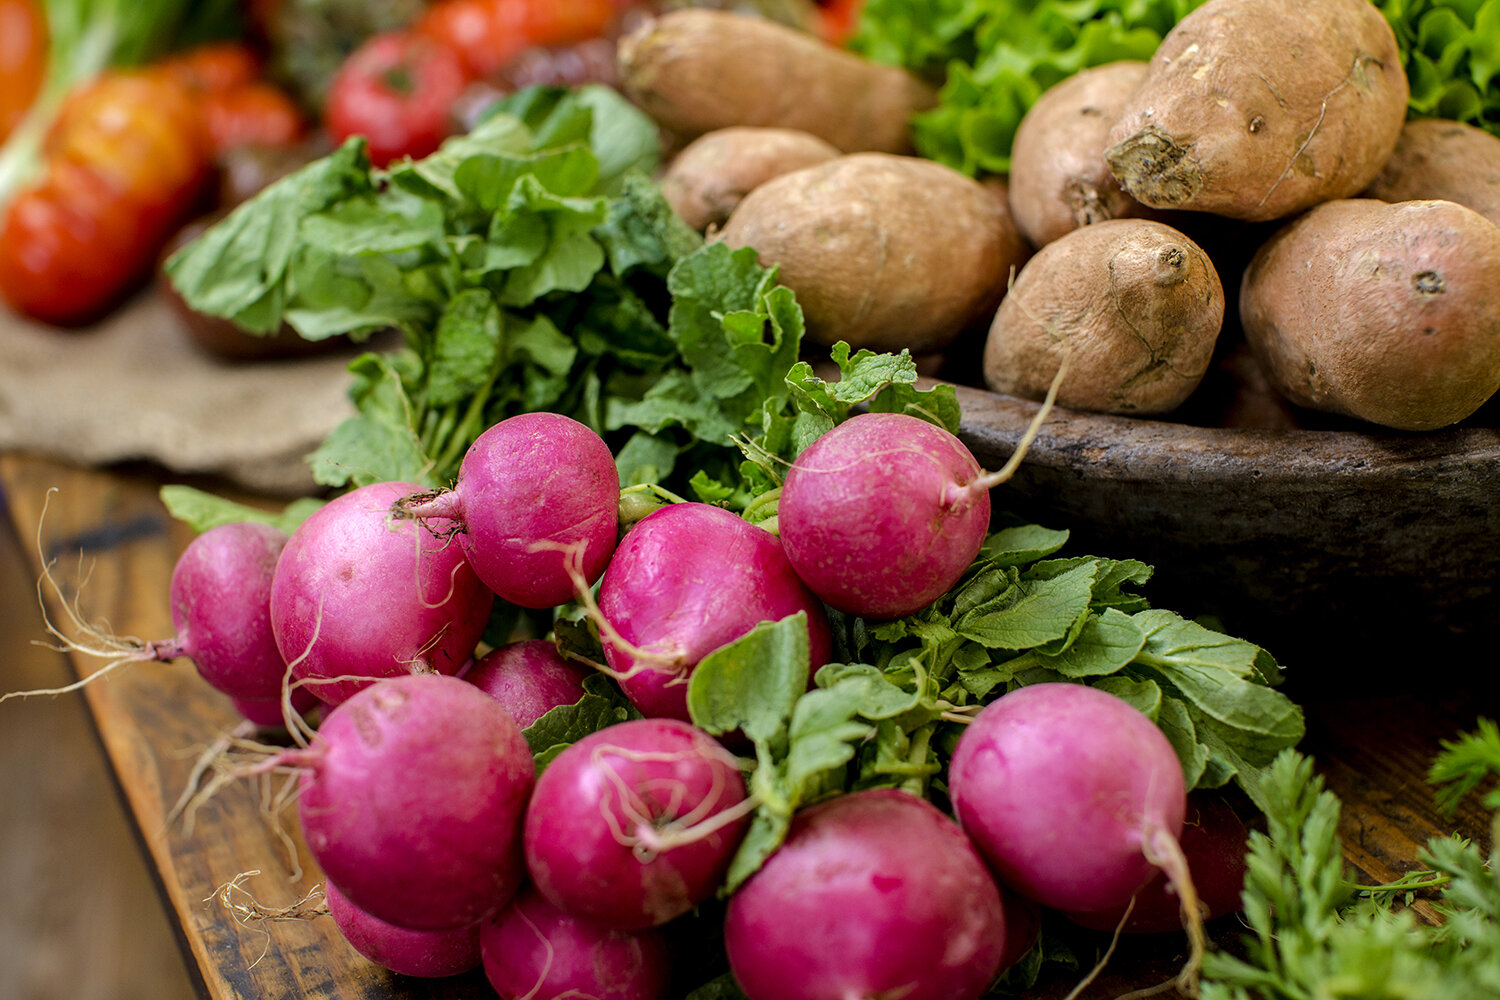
1264	150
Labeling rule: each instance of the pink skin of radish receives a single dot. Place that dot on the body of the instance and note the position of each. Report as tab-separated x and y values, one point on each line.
424	954
635	824
685	580
1023	925
1074	799
882	514
874	894
1213	841
360	593
220	597
530	488
528	678
266	713
534	951
411	799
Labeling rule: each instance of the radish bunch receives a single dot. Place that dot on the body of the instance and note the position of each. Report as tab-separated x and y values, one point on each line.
446	845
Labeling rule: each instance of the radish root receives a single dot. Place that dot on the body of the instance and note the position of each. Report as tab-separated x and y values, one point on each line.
657	657
638	826
1163	851
248	910
96	638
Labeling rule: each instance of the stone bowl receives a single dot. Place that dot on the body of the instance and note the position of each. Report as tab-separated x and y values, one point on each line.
1336	548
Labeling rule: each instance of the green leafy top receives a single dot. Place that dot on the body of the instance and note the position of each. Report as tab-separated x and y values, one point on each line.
1313	932
529	265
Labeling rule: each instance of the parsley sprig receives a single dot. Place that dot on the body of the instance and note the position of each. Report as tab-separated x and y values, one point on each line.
1314	933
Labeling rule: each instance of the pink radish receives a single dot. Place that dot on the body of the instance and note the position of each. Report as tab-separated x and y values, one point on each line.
635	824
424	954
267	713
1213	842
1075	799
534	951
882	514
873	894
220	598
685	580
361	594
531	490
528	678
411	800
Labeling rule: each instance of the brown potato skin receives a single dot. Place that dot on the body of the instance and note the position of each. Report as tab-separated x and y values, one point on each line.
1257	109
1058	178
1385	312
698	70
715	171
1136	306
1437	158
884	252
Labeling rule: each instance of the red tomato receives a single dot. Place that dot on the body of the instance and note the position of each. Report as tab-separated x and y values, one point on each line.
252	114
473	28
396	90
490	33
67	248
23	59
560	22
837	19
142	135
218	66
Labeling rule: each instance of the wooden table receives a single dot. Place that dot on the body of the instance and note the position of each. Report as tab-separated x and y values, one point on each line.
112	547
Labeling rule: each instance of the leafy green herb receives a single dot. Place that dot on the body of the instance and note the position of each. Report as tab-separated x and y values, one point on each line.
1465	764
530	265
1313	932
1451	51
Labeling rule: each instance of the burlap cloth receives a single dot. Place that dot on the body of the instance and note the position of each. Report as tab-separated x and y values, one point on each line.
136	387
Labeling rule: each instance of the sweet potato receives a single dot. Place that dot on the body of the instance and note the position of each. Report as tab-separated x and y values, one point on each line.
698	70
1133	304
705	181
1448	160
883	251
1059	180
1257	109
1385	312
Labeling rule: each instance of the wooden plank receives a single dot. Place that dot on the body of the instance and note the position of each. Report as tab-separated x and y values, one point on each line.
1373	748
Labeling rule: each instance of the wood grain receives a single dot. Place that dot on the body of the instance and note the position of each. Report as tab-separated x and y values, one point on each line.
113	547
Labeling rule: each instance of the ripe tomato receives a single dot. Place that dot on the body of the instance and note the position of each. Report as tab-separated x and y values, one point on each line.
23	59
253	114
484	41
126	161
142	135
837	19
67	248
212	67
561	22
488	34
396	90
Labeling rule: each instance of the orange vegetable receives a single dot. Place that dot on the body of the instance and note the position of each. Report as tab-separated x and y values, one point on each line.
125	162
